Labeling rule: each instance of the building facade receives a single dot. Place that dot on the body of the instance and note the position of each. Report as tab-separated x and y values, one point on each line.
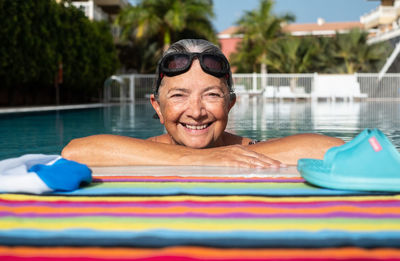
100	10
384	24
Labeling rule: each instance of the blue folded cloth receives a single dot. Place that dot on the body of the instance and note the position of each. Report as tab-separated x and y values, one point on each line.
39	173
369	162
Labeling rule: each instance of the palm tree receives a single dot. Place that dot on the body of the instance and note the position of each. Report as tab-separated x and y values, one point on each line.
298	55
353	54
243	60
260	28
284	56
293	55
345	53
167	20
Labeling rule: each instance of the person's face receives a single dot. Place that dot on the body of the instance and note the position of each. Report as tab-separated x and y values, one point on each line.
194	107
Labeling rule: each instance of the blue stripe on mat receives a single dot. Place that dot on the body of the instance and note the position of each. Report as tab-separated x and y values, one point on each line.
161	238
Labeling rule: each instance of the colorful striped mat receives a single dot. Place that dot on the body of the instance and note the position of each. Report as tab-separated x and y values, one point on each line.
194	253
189	218
167	185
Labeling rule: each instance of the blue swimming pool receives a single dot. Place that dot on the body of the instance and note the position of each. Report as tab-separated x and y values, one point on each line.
49	132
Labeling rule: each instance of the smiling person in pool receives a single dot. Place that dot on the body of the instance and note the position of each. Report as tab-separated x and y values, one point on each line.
192	97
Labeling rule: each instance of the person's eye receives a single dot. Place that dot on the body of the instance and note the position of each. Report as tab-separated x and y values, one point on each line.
214	94
176	95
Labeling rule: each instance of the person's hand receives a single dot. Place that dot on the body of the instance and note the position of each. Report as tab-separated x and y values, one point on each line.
231	156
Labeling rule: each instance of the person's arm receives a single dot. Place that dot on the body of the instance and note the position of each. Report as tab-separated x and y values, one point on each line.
290	149
113	150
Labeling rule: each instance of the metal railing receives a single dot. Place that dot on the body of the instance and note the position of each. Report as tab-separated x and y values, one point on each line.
367	86
128	87
256	83
386	88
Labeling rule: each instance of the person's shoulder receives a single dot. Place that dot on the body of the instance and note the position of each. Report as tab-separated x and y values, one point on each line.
164	138
233	139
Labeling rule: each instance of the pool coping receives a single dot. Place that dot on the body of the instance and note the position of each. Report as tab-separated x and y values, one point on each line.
195	171
52	108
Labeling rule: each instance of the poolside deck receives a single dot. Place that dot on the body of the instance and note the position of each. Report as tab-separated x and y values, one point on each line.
50	108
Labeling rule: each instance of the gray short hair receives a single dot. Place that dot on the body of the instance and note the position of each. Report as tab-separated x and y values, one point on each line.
190	46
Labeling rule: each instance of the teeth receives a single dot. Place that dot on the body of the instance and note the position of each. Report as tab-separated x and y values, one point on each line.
194	127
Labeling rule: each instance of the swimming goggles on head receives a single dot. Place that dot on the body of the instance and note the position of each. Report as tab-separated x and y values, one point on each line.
174	64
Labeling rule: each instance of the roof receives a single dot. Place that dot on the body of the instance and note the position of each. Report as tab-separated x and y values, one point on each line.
230	30
336	26
300	29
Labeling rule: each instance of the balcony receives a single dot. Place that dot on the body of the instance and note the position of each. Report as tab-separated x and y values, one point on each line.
382	15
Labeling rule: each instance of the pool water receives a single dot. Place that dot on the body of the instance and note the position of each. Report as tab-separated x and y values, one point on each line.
49	132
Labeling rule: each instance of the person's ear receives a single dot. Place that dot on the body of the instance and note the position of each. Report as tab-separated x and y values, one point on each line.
157	108
232	100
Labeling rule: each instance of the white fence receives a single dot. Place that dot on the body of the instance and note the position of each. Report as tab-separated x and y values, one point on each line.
313	87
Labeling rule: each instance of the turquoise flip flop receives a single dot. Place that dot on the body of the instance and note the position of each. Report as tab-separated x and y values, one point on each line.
369	162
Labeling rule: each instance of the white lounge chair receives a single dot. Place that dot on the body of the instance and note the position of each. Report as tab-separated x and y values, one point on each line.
300	93
333	87
269	92
284	92
241	91
321	88
358	94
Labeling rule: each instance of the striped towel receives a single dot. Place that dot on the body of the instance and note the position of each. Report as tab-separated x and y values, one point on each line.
225	218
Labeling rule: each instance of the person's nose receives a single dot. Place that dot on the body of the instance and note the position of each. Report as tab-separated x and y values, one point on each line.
196	107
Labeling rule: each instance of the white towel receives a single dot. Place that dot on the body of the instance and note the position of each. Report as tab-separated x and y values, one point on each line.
39	173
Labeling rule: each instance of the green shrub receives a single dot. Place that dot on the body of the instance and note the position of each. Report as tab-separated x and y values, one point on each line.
36	36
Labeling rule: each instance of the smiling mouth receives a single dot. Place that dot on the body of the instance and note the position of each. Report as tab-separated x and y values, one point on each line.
196	127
